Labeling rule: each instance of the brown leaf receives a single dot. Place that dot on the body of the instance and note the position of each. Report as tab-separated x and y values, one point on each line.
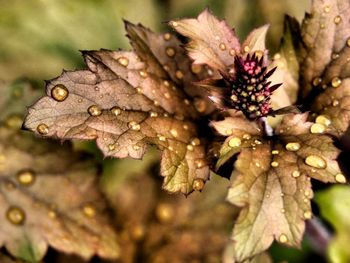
325	31
212	42
125	106
44	204
271	180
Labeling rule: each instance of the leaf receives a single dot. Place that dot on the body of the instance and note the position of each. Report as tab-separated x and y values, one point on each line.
125	106
334	205
324	31
271	181
212	41
255	41
44	204
287	64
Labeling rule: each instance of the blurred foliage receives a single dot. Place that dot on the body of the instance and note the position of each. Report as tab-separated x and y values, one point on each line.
335	208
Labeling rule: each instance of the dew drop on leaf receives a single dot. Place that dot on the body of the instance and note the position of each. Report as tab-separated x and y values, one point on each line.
198	184
295	173
283	238
26	177
316	161
196	69
275	152
340	178
134	126
170	51
317	128
195	142
235	142
59	92
52	214
173	132
123	61
15	215
179	74
307	214
94	110
143	74
274	164
293	146
337	20
167	36
336	82
116	111
316	81
89	210
42	129
322	119
222	46
190	147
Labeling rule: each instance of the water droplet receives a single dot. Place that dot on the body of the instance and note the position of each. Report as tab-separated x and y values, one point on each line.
322	26
316	161
167	36
235	142
89	210
196	69
348	42
307	214
185	127
246	49
317	128
167	95
15	215
174	132
228	132
232	52
335	56
153	114
200	105
337	20
307	193
143	73
179	74
116	111
340	178
293	146
322	119
189	147
26	177
166	83
200	163
283	238
316	81
222	46
134	126
274	164
195	142
274	152
335	103
166	68
164	212
170	51
327	9
198	184
247	137
257	164
283	210
136	147
336	82
186	101
295	173
59	92
123	61
94	110
42	129
174	23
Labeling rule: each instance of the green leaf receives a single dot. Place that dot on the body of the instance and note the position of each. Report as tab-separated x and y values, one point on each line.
334	204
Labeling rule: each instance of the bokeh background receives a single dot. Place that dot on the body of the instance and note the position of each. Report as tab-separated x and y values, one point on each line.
38	38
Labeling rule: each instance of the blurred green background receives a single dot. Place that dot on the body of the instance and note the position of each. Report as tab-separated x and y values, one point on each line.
38	38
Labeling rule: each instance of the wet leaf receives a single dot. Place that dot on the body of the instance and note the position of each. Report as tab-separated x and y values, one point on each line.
125	104
324	34
255	41
271	181
334	204
50	205
212	41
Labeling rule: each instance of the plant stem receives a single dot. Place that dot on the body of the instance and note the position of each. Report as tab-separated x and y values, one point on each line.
318	235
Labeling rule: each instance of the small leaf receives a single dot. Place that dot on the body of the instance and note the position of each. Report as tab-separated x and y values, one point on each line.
334	205
44	204
325	31
271	180
255	41
125	105
212	41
